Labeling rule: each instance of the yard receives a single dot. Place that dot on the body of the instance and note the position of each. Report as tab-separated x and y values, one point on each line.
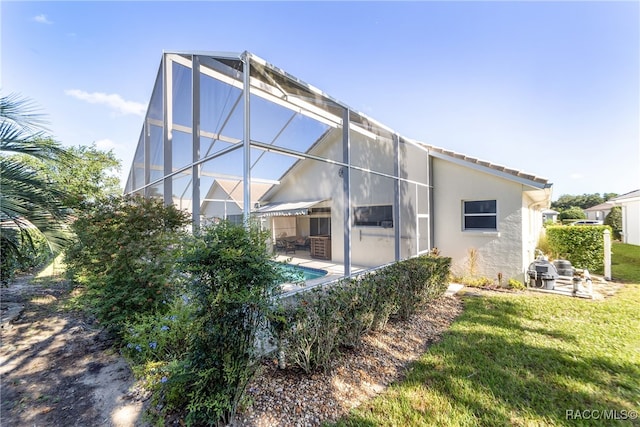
508	359
527	360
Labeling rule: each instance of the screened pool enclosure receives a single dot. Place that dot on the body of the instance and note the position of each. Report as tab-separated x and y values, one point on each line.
230	136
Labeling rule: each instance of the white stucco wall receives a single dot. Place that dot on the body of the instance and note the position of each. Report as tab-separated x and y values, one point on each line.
370	246
631	222
498	251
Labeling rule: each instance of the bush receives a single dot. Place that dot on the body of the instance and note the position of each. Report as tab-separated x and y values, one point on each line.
383	296
233	283
544	246
421	280
517	285
583	246
476	282
574	212
308	328
614	220
355	303
21	252
124	255
159	337
314	324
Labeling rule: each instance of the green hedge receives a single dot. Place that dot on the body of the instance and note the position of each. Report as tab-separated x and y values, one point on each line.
583	246
313	326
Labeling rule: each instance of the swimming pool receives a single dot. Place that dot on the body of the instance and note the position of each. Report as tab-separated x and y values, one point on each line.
297	273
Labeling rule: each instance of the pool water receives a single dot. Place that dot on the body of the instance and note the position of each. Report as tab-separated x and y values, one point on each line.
296	273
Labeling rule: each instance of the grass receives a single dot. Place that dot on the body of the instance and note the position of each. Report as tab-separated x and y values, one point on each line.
526	360
625	262
521	360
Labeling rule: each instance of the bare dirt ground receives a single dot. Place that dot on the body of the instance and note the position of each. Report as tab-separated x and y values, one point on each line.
56	367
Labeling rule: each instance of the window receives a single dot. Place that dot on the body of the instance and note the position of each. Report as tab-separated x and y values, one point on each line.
480	215
374	216
320	226
236	219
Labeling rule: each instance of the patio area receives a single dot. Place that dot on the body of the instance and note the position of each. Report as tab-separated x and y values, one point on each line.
595	288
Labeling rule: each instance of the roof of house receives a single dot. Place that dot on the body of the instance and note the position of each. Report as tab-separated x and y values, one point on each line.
601	207
627	196
506	172
235	189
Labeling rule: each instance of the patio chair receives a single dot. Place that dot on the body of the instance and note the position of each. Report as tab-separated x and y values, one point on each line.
289	247
303	243
280	245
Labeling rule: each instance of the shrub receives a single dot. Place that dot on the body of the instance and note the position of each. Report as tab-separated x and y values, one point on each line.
123	254
421	279
517	285
544	246
614	220
311	322
475	282
383	296
159	337
356	305
313	325
21	252
233	283
574	212
583	246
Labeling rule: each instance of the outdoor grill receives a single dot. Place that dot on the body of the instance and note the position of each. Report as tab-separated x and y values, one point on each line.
542	274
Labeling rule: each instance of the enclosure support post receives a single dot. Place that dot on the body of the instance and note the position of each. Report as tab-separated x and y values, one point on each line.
246	78
346	188
396	196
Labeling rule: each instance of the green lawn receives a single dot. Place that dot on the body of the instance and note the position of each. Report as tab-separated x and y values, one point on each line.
522	360
625	262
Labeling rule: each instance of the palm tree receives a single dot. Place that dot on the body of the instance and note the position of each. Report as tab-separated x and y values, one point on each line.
27	200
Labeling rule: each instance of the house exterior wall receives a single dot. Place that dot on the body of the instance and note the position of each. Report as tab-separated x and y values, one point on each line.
631	222
598	215
316	180
497	251
218	208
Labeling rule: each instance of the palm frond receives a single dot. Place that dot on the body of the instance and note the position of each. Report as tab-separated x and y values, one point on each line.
23	112
27	199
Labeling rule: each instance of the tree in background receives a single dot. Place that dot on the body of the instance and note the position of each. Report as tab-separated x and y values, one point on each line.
89	175
614	220
584	201
574	212
30	205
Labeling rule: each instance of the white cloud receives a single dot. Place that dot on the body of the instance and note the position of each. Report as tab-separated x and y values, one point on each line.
113	101
105	144
42	19
576	176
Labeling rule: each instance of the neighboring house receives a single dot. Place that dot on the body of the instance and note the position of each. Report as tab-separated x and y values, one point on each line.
630	203
598	212
305	164
225	199
549	215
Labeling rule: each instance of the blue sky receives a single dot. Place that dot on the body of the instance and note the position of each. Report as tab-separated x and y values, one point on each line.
550	88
